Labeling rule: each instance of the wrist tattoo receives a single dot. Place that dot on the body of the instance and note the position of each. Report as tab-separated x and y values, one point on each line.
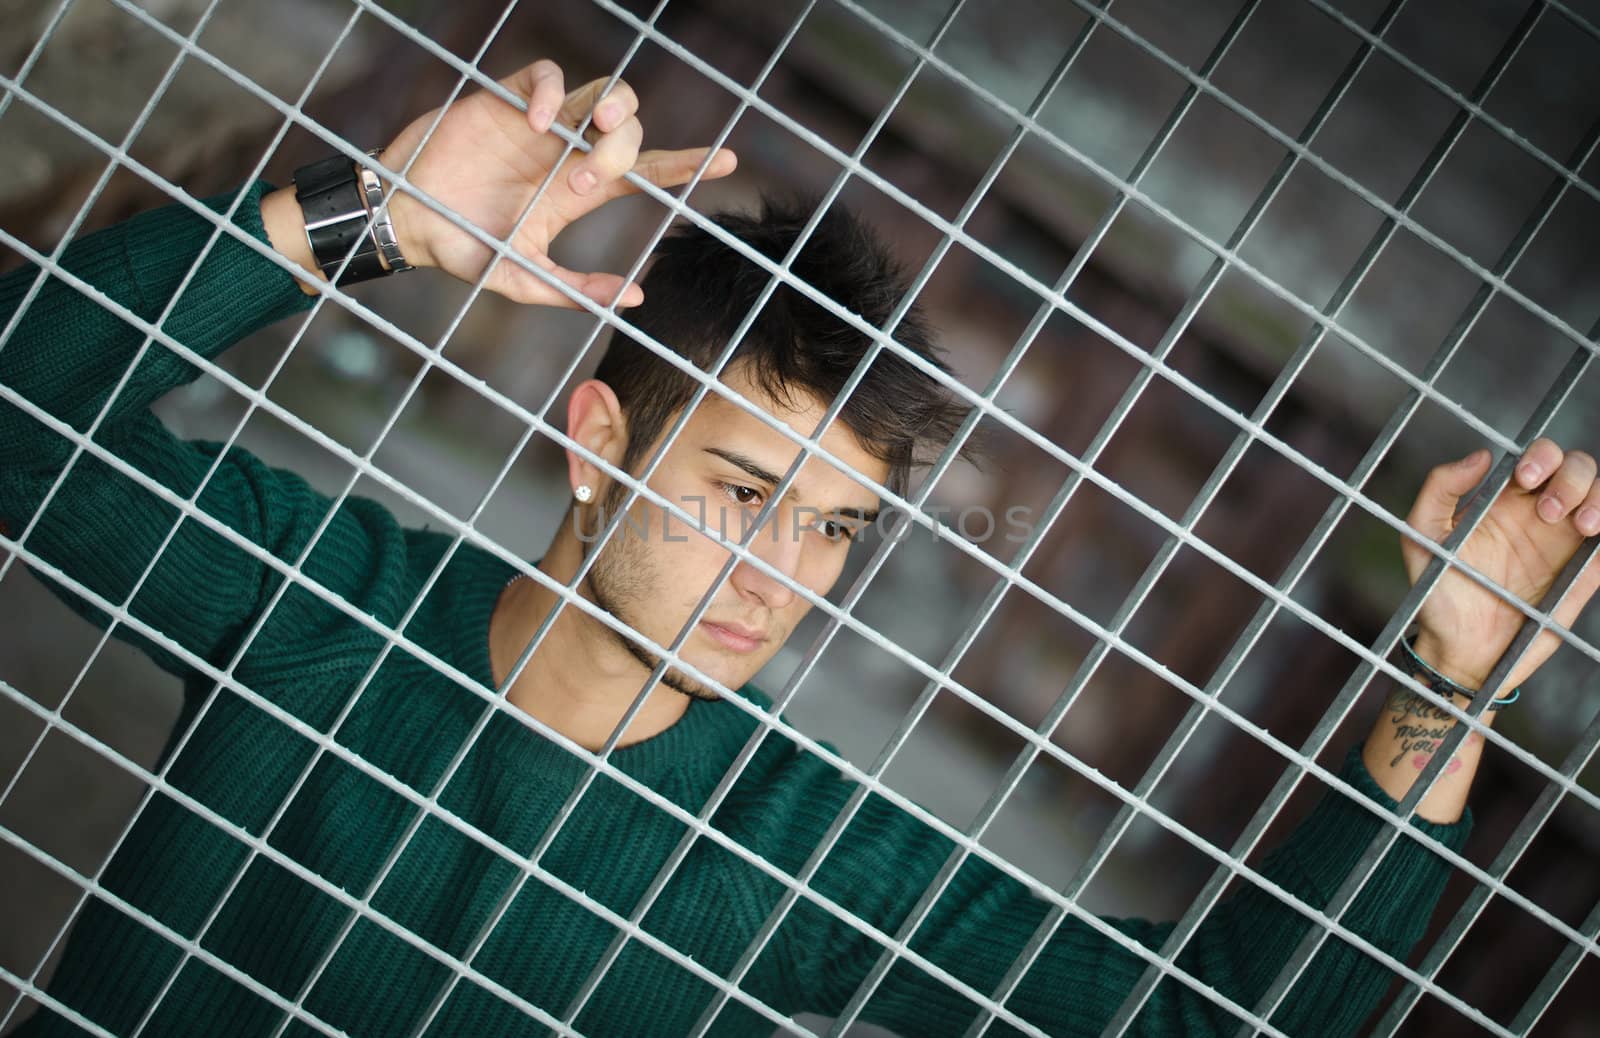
1419	728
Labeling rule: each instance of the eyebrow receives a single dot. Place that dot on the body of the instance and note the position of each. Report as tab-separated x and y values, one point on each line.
754	469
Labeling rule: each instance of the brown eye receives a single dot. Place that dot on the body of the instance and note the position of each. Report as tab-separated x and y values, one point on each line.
741	494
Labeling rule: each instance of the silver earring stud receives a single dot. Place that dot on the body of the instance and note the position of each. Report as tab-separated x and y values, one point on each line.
583	493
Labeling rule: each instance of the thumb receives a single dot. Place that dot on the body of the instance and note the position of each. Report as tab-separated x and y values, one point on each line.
1434	512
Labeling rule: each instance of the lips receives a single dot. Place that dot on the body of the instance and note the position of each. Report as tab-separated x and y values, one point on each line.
734	636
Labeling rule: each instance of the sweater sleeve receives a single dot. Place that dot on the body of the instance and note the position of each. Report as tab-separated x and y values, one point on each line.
102	527
885	861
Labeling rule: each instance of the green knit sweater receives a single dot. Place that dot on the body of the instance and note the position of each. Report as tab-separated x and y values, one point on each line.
206	595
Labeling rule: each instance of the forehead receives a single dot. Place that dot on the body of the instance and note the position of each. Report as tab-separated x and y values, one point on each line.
720	422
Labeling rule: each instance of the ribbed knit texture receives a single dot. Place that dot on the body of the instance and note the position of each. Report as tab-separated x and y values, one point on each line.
206	594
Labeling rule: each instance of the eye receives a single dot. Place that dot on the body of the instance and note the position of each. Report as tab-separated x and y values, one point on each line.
838	531
742	494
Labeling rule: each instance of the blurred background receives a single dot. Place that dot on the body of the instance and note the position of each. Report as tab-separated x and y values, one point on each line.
1053	207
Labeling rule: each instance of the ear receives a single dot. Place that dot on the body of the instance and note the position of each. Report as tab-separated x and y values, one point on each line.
594	419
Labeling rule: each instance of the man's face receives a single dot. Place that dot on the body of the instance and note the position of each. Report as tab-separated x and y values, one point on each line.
724	467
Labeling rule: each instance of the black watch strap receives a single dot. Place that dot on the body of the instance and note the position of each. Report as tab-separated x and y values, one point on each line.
337	219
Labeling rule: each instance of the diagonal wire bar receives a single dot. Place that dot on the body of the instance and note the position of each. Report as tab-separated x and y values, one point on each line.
1090	665
1111	336
736	768
11	325
404	791
880	556
867	175
1468	105
591	983
1171	218
466	744
1381	843
315	538
300	871
999	262
1190	723
484	839
732	775
92	887
495	549
1346	698
58	272
1329	522
1450	938
26	67
111	459
1472	515
1584	750
26	987
755	412
1555	978
991	808
32	293
644	791
77	221
1579	21
465	747
1199	393
422	654
1474	107
316	535
1555	322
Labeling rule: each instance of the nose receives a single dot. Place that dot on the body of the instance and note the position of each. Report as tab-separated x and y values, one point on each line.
779	547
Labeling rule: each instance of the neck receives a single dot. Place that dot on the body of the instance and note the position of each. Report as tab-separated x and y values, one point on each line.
580	681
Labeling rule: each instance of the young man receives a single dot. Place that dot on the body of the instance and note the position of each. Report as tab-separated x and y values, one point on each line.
259	846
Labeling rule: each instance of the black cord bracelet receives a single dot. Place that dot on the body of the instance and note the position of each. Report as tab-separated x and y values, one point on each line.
1416	666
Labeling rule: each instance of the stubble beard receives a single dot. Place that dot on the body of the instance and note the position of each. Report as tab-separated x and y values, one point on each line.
621	577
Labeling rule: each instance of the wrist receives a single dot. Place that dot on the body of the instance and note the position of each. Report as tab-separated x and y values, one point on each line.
406	216
285	224
1437	655
347	226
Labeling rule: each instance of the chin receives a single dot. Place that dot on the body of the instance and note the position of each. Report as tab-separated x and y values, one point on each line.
731	677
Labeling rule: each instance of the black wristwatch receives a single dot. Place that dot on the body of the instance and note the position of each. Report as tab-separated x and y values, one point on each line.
337	197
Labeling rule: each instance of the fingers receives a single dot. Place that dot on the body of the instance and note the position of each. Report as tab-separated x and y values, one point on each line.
603	288
1587	517
1435	509
543	87
1565	483
1568	488
522	286
671	168
614	115
1542	457
612	155
619	105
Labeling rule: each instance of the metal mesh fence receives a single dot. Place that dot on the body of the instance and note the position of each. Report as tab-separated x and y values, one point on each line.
1124	196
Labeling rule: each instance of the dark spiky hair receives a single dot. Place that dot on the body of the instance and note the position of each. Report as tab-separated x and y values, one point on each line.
699	291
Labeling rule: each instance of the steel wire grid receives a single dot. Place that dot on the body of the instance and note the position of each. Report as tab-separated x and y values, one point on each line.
1561	781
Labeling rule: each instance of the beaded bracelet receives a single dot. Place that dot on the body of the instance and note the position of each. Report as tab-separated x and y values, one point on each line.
1416	666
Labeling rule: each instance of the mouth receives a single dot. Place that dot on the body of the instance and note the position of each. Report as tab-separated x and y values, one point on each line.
739	639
